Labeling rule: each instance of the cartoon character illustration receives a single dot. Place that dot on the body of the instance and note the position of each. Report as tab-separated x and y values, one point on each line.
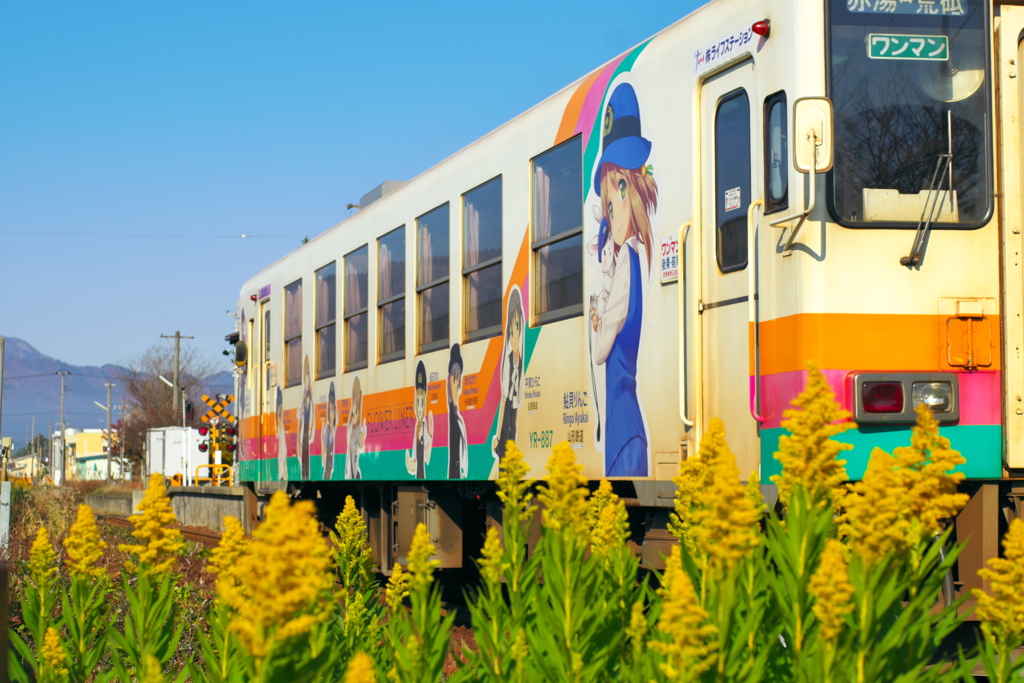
458	447
327	436
306	427
511	373
625	183
418	457
282	440
356	433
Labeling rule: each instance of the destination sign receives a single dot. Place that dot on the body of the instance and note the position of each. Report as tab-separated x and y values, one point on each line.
920	48
949	8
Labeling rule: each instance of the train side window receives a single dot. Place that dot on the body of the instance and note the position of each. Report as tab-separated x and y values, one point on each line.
732	180
481	260
776	154
293	333
356	298
433	231
326	307
557	241
391	295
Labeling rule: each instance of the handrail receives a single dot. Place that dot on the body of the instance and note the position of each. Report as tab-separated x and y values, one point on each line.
683	229
755	341
215	477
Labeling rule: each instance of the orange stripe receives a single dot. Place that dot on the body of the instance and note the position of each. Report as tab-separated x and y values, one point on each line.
567	128
866	341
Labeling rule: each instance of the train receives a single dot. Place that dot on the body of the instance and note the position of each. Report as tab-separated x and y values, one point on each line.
673	237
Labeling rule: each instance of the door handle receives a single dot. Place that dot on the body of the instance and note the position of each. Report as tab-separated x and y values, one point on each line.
754	333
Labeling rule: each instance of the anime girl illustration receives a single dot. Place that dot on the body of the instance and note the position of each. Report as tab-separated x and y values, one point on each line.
511	373
306	427
327	436
282	439
418	457
458	447
356	433
625	183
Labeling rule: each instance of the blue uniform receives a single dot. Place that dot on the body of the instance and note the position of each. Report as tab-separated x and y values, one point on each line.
625	450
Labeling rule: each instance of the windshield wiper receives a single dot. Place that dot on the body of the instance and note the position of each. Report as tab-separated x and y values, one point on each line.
943	168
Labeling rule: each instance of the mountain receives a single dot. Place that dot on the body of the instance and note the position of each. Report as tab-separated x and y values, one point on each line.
32	389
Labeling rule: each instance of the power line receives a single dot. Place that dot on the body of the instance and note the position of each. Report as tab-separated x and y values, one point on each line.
156	236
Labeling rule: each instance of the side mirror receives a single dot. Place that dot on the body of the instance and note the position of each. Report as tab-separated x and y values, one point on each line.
812	135
241	353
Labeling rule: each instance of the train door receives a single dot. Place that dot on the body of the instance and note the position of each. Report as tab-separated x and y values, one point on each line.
730	172
1010	140
264	404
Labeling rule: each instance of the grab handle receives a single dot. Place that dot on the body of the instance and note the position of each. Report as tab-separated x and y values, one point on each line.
683	230
755	336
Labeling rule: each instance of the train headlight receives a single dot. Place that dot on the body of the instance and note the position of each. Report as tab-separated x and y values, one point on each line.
938	396
892	397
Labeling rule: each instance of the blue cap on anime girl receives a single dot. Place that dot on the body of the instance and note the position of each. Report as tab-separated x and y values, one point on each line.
622	143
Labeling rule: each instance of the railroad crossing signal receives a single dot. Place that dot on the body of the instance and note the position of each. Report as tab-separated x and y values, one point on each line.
218	409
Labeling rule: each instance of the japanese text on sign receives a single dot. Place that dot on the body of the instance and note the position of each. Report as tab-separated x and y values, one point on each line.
941	7
669	257
928	48
722	49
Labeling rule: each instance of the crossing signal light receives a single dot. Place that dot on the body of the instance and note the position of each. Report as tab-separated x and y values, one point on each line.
204	439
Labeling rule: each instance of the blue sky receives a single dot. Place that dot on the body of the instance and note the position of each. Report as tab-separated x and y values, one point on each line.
139	139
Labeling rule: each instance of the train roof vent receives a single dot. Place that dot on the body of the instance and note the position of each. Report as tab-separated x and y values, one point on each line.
385	188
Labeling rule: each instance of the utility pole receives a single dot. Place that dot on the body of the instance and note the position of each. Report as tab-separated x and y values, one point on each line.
123	439
1	381
60	470
110	440
177	360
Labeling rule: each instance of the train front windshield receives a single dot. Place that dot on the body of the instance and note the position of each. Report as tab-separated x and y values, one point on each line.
909	83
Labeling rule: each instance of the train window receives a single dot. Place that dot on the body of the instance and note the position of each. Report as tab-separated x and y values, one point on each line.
432	231
481	259
732	180
356	298
326	305
293	333
391	295
557	242
776	154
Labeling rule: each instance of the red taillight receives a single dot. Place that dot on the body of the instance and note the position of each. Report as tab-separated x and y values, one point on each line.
882	397
203	431
762	28
203	447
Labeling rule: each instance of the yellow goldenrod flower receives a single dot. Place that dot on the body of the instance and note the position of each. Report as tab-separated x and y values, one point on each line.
360	670
685	637
352	553
611	530
397	589
724	517
1001	610
513	485
52	653
42	563
598	499
492	558
565	495
421	567
636	632
160	543
903	497
808	454
224	558
153	672
689	481
830	585
84	545
282	576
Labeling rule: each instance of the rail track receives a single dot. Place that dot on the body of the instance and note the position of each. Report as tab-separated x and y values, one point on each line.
208	538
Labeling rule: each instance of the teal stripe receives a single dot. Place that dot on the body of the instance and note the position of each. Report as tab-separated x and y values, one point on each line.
981	446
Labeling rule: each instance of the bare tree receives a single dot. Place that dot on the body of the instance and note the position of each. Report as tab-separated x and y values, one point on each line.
150	400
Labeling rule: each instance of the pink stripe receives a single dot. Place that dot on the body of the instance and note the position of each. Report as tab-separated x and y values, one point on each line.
979	395
592	102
